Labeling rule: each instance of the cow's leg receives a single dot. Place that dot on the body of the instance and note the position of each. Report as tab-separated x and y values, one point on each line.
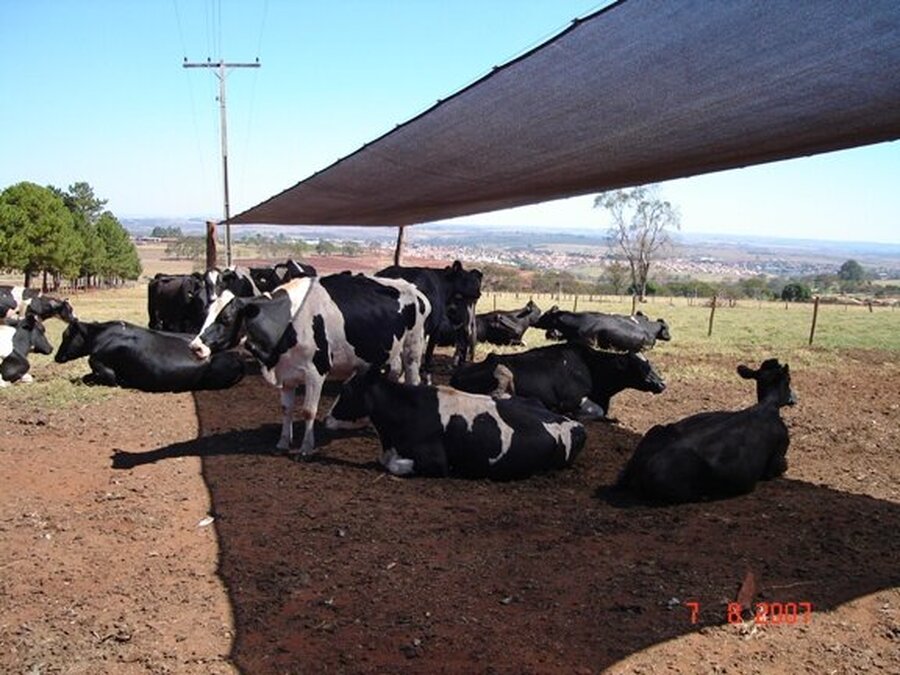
288	395
100	373
312	392
588	409
505	385
395	464
426	360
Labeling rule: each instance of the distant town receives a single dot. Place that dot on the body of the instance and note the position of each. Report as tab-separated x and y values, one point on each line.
582	253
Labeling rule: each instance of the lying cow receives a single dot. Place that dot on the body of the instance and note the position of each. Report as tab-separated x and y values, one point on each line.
19	301
124	355
315	328
607	331
453	293
569	378
18	338
436	431
506	327
716	454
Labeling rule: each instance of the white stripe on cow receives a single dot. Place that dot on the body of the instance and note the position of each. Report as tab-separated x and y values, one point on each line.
469	406
562	432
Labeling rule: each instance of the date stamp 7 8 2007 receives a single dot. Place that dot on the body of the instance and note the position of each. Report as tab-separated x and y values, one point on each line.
764	613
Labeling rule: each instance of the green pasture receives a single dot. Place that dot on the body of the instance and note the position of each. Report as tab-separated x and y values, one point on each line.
748	331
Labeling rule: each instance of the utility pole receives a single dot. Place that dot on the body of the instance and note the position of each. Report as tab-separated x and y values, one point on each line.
221	68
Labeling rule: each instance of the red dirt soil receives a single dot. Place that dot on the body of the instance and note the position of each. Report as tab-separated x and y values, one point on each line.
333	566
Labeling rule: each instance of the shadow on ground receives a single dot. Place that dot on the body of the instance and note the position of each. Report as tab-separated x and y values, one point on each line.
333	566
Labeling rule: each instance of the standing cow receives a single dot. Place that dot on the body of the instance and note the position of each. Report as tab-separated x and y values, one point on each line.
436	431
453	293
178	302
716	454
315	328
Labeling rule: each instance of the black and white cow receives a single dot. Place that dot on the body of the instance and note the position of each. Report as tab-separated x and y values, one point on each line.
569	378
18	338
608	331
716	454
121	354
267	279
178	302
506	327
436	431
453	293
19	301
319	328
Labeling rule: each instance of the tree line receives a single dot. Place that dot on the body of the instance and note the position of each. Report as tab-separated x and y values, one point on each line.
63	236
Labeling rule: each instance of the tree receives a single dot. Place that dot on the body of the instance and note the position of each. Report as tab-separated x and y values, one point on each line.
38	232
122	260
641	221
615	276
851	271
161	232
796	291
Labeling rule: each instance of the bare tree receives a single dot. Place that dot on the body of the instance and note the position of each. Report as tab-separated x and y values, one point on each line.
641	222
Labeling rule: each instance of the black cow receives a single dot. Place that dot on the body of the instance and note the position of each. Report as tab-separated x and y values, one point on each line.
453	293
506	327
121	354
315	328
716	454
18	338
17	300
178	302
267	279
569	378
436	431
608	331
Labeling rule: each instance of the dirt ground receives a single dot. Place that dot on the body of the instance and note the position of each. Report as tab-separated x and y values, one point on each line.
109	562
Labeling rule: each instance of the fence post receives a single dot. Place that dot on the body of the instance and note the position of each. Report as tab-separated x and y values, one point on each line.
633	304
575	304
495	301
812	329
712	313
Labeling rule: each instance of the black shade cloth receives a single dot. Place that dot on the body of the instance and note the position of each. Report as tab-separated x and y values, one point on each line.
639	92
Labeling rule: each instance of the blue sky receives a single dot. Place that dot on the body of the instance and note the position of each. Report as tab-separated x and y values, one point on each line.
94	90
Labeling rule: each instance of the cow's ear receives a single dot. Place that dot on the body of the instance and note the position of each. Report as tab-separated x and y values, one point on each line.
251	311
457	266
747	373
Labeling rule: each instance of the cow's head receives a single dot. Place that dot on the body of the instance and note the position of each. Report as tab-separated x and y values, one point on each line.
74	343
46	307
222	327
464	290
531	312
353	405
638	373
662	330
37	335
773	382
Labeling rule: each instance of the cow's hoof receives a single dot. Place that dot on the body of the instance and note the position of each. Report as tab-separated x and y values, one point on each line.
26	378
301	455
400	466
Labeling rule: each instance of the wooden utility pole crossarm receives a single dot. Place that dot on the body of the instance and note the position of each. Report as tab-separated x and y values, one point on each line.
221	71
